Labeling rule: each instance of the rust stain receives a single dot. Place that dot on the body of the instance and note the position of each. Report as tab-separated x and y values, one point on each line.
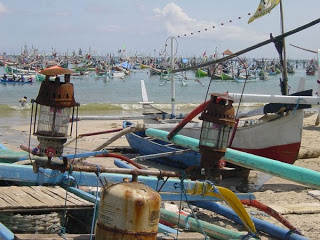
115	233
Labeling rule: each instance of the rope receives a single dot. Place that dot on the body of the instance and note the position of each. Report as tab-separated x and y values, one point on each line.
296	108
244	86
159	178
164	182
96	202
76	143
63	228
183	193
157	109
166	44
180	204
29	140
168	235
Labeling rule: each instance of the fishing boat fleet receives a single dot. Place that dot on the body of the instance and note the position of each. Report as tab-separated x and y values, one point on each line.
25	68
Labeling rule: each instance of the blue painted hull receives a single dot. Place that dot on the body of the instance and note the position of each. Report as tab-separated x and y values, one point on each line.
184	160
12	81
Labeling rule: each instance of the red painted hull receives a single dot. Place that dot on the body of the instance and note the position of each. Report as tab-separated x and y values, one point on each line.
285	153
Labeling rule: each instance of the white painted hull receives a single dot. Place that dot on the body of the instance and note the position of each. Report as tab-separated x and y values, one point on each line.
285	130
117	74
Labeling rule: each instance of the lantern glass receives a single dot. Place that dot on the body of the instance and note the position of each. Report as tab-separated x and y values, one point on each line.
53	121
214	135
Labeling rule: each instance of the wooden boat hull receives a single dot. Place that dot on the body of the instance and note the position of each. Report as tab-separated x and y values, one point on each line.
144	66
278	139
225	76
144	146
201	73
11	69
117	74
14	82
242	80
262	139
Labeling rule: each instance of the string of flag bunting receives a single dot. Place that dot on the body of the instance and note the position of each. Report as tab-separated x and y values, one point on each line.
264	7
213	27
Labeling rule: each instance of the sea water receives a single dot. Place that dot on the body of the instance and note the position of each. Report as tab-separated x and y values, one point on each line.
121	96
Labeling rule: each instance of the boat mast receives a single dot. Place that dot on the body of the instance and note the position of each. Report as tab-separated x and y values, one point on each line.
173	91
284	85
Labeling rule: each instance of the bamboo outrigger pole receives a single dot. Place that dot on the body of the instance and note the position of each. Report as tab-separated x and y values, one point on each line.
272	39
287	171
283	57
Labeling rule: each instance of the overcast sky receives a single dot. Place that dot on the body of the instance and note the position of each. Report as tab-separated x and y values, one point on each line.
143	26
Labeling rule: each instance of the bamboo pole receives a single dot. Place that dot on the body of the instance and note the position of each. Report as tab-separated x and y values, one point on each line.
276	168
95	169
210	229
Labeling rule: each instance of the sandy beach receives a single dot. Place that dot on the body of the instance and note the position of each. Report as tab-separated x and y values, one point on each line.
291	199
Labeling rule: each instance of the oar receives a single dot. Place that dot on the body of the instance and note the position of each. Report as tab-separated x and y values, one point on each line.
161	84
198	80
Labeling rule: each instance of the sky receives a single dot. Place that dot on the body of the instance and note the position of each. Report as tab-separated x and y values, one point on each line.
145	27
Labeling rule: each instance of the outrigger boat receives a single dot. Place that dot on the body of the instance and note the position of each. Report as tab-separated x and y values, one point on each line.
260	137
276	135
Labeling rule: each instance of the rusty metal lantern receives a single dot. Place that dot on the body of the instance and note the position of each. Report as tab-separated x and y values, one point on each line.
218	121
54	101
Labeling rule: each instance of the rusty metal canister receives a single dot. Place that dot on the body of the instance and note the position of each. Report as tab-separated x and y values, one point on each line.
128	211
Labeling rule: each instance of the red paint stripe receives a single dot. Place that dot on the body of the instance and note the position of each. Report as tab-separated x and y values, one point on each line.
287	153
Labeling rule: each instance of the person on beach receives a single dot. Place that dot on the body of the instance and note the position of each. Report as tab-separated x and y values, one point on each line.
23	101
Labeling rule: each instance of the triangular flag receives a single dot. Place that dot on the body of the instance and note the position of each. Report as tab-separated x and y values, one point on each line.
265	6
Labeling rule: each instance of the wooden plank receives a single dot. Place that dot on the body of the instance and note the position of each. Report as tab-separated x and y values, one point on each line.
48	200
37	198
38	195
8	199
71	197
57	199
299	208
52	236
15	195
59	195
182	236
28	198
4	204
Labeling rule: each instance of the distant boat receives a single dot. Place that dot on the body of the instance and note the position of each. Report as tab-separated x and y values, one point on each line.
157	71
201	73
226	76
12	70
245	76
4	81
310	71
144	66
311	68
117	73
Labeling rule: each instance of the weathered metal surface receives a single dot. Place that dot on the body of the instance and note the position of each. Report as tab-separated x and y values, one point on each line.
56	94
128	210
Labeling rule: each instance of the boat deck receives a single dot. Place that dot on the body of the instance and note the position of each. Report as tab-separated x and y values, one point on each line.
39	198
